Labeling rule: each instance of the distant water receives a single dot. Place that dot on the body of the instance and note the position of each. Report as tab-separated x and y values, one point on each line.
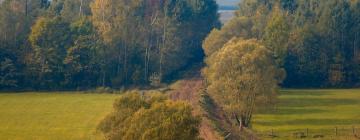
227	9
226	15
228	2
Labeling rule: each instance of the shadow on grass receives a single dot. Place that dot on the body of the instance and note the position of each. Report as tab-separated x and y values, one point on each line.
317	122
315	102
291	111
305	93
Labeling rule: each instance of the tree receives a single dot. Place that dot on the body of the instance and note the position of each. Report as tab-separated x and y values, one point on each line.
237	27
289	5
70	10
335	22
241	75
84	61
49	40
356	38
307	60
16	18
8	74
149	36
276	35
249	8
150	118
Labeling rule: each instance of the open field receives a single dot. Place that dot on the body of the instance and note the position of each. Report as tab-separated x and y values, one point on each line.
69	116
55	116
319	111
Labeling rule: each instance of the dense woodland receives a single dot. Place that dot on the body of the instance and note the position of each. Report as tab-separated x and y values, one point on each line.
82	44
274	43
315	42
289	43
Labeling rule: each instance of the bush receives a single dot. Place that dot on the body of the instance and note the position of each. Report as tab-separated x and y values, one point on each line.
140	117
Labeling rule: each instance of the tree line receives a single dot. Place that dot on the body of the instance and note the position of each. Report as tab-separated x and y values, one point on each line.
315	42
80	44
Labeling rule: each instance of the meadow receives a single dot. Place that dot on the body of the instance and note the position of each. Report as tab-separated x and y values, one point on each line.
55	116
312	113
74	116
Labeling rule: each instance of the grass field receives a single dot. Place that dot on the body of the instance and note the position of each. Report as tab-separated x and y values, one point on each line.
71	116
55	116
319	111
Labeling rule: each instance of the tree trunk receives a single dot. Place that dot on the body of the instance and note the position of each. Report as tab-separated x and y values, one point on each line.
80	8
104	77
163	46
26	7
103	10
161	55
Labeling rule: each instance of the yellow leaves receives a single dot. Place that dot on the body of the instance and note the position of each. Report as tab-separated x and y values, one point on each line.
237	27
212	42
37	30
239	72
101	10
150	117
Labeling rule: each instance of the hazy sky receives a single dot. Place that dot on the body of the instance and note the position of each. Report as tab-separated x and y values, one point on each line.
228	2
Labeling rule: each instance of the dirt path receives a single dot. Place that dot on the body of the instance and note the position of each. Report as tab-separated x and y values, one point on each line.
190	90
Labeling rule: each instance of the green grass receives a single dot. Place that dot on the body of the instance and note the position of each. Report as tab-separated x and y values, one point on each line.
73	116
55	116
319	111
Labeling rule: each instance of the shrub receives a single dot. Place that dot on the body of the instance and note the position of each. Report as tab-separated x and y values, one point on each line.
154	117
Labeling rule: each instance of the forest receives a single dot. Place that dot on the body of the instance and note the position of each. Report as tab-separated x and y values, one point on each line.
56	45
180	72
66	44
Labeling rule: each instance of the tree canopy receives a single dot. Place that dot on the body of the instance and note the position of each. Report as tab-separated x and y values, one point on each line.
314	42
241	75
79	44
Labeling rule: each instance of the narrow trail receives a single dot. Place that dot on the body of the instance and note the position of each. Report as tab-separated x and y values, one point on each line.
190	90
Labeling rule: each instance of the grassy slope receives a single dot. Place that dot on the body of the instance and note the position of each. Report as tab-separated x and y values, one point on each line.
318	110
52	116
